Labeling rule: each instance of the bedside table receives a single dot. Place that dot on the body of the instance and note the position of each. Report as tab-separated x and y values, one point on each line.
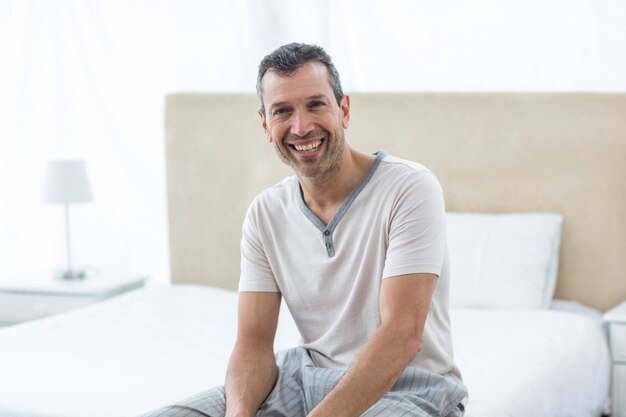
32	299
616	321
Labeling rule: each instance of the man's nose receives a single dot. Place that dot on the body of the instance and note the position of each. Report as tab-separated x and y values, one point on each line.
302	123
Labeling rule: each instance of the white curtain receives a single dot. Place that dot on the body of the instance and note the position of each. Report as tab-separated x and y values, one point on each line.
87	79
83	80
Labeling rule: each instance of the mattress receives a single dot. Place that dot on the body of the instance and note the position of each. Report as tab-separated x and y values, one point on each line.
153	346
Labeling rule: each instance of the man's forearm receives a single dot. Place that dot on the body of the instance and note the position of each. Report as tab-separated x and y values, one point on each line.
373	373
250	377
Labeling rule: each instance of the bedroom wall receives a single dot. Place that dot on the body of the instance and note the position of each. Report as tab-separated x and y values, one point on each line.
87	79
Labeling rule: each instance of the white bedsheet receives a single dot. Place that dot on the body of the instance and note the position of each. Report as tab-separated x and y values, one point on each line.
154	346
531	363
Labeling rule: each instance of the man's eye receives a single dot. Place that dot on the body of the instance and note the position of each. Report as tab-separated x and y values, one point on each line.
317	104
278	112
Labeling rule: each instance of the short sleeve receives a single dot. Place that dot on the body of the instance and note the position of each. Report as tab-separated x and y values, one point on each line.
256	272
417	231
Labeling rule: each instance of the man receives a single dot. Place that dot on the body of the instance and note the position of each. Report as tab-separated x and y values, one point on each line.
356	245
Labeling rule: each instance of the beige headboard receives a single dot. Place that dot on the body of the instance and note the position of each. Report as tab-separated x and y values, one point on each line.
504	152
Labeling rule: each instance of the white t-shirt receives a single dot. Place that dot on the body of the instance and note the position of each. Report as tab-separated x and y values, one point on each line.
393	223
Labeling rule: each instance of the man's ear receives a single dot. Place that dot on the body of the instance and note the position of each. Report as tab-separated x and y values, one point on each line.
345	111
268	137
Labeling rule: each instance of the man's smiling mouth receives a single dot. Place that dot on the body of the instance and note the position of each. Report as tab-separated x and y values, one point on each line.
310	147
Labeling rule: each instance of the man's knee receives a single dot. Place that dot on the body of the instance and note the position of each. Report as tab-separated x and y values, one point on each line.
209	403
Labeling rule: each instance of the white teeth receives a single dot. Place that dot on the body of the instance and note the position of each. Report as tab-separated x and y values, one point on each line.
309	147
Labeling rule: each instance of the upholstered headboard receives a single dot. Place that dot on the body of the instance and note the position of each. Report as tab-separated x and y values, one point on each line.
504	152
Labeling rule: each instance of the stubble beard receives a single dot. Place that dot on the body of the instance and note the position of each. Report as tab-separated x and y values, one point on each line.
328	163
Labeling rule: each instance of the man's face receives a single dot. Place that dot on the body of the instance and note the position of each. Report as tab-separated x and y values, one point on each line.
303	120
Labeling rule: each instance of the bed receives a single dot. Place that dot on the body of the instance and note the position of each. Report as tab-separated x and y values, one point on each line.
158	345
534	191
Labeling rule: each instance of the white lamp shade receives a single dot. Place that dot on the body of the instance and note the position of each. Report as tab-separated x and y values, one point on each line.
66	181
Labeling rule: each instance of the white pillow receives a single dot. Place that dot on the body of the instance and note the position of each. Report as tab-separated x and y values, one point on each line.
503	260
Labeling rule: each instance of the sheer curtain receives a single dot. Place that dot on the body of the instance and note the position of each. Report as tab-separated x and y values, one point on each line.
87	79
83	81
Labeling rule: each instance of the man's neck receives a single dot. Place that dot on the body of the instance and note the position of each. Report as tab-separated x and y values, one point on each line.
324	196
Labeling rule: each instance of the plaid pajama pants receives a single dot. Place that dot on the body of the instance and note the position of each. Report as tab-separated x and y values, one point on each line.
301	386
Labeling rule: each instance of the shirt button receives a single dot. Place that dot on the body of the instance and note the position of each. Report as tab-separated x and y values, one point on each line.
328	245
326	232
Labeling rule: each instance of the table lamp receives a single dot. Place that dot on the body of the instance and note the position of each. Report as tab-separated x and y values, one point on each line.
66	182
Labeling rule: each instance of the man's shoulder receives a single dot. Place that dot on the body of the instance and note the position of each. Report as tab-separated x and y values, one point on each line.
391	162
277	195
401	171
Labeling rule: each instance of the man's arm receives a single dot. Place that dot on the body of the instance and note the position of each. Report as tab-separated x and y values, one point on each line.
252	369
404	304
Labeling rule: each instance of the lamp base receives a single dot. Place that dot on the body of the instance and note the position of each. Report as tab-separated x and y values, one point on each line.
70	275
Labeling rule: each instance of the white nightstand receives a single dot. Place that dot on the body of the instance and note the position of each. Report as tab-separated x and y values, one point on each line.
616	321
25	300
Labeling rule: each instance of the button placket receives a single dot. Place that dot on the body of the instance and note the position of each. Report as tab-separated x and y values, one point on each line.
328	241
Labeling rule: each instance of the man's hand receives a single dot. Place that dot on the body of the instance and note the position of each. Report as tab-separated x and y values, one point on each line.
252	368
404	304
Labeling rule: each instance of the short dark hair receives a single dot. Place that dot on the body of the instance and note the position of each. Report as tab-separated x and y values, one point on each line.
288	58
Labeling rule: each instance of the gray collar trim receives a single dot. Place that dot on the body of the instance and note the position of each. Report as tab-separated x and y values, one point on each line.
327	230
